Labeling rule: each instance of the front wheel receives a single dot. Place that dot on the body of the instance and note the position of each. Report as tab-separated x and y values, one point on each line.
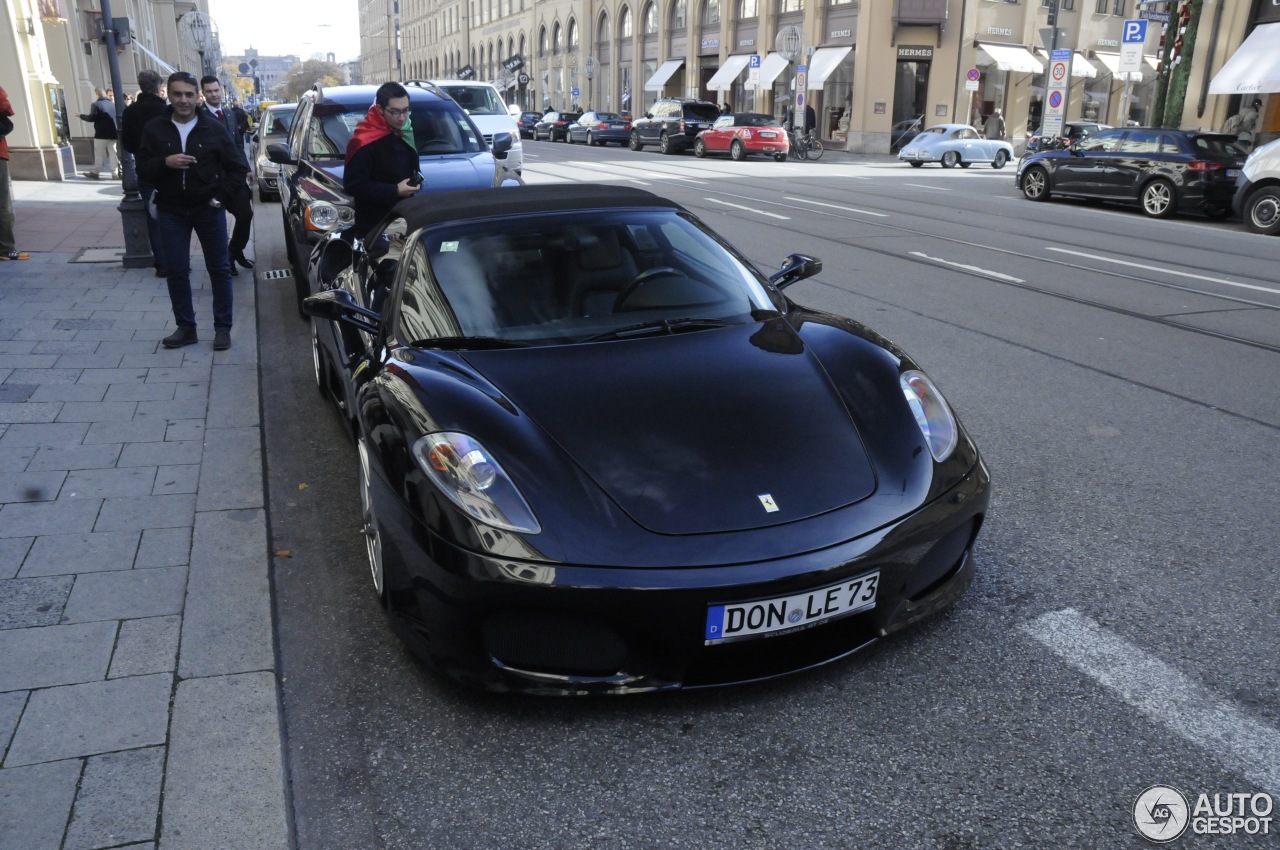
1262	211
664	144
1159	199
950	159
371	529
590	139
1035	184
1001	160
699	148
634	143
815	150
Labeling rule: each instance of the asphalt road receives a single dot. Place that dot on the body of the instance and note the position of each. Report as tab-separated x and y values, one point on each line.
1122	378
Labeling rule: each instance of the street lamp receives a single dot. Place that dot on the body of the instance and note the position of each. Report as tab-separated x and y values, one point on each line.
133	209
197	26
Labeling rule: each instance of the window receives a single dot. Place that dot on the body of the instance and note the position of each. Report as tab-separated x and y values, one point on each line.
711	13
791	6
678	14
556	42
1117	7
542	42
1140	141
650	20
573	35
624	23
1101	8
748	9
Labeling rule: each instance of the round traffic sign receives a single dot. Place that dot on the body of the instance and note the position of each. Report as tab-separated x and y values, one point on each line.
1059	70
1055	99
974	75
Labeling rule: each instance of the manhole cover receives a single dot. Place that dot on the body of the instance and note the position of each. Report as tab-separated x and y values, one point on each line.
277	274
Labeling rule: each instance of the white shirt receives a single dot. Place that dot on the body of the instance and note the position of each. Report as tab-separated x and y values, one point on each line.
184	130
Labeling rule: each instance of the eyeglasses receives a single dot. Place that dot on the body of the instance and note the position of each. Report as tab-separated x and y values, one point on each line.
396	113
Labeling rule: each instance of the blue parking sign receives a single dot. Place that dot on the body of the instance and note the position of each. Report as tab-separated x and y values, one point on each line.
1134	32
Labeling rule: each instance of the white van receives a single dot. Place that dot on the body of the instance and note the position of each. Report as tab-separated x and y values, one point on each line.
1258	190
487	109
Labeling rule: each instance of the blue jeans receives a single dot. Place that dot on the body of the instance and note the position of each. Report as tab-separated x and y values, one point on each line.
153	229
210	226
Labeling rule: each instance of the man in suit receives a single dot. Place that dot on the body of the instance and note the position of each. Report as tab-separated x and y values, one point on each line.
239	199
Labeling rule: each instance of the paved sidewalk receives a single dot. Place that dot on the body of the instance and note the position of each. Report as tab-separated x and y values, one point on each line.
138	693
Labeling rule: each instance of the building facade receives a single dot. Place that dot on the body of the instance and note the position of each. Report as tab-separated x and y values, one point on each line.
868	64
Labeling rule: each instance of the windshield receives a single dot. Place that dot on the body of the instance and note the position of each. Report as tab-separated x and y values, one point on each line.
568	277
279	121
436	127
1219	145
477	100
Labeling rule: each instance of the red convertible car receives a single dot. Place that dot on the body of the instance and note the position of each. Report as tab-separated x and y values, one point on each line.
742	134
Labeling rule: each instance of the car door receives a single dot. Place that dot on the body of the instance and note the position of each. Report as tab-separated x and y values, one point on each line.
1085	167
965	140
720	135
1137	156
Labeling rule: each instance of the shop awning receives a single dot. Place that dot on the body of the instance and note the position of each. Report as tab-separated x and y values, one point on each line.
770	68
729	72
1254	67
1111	61
1010	57
823	63
1080	66
665	71
164	66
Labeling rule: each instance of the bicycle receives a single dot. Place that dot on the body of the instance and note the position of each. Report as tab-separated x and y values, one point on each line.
806	145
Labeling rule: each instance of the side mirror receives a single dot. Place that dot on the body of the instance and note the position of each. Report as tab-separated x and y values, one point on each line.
795	267
502	143
337	305
255	138
648	115
278	152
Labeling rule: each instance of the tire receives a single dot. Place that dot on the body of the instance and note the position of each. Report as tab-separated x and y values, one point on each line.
590	141
1217	211
916	164
815	150
1035	184
664	145
964	164
1159	198
1001	160
699	148
950	159
568	138
370	526
1262	211
317	362
262	195
779	157
737	151
634	142
302	289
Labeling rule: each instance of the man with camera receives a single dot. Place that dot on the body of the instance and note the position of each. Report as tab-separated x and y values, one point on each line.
382	161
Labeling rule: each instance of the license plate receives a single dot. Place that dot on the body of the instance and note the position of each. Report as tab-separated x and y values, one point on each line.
785	614
768	134
1233	172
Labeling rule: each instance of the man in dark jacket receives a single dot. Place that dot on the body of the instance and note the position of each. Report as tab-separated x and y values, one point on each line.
237	197
381	164
102	115
187	156
136	115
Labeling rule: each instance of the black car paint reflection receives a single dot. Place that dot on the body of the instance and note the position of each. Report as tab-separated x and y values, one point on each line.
641	389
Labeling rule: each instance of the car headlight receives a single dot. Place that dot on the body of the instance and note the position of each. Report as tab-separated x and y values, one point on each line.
474	481
322	215
934	417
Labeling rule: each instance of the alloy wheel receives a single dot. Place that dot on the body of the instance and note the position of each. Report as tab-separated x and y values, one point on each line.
1158	200
1035	184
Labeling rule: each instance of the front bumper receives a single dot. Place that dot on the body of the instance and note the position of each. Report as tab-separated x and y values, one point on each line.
509	625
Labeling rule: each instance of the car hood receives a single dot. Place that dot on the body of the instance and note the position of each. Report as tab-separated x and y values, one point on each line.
712	431
443	173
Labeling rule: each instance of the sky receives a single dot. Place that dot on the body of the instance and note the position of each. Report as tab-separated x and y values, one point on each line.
280	27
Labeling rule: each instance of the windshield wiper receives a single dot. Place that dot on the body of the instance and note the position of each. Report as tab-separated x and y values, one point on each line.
463	342
666	326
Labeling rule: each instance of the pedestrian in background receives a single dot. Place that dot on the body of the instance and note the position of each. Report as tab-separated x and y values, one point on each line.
235	194
1247	125
8	249
148	105
102	115
186	155
995	125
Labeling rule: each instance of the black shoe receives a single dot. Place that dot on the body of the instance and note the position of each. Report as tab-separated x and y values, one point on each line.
221	340
180	337
162	272
234	273
242	260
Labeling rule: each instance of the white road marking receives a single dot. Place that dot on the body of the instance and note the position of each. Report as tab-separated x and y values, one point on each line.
976	269
835	206
748	209
922	186
1164	694
1162	270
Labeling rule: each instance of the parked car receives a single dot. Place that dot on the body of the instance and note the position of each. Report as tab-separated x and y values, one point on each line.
486	109
741	134
601	535
672	124
273	127
1257	195
955	144
903	132
452	155
526	121
1161	170
1072	131
554	126
599	128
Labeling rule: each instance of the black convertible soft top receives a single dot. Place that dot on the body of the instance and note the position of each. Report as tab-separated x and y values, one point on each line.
431	208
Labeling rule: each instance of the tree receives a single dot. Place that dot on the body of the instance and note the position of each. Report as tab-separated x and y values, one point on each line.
304	75
241	87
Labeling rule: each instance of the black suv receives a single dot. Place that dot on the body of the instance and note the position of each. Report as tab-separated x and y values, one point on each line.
452	154
672	124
